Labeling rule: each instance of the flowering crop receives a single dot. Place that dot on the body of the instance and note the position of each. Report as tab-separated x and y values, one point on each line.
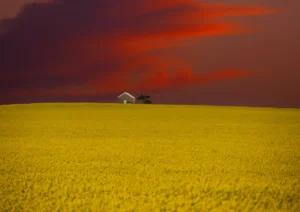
115	157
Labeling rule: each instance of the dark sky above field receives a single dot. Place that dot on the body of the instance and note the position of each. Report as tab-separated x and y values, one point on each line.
233	52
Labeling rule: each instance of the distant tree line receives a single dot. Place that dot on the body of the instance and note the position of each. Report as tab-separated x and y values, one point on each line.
145	99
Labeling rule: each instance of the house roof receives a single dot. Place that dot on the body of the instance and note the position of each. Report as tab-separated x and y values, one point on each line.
126	94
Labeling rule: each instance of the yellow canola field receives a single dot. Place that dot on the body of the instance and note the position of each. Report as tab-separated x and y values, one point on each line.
115	157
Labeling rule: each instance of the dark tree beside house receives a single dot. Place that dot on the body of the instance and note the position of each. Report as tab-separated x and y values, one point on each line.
145	99
141	98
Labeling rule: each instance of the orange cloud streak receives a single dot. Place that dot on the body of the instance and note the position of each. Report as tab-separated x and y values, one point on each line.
163	80
222	10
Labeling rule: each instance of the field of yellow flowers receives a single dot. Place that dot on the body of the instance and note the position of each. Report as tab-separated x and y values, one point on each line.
115	157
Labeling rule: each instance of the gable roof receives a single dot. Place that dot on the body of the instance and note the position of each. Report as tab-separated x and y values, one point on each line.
127	94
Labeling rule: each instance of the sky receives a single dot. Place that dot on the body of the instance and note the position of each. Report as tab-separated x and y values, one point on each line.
212	52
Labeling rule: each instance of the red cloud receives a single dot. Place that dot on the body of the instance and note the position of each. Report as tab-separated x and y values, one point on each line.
222	10
185	77
98	47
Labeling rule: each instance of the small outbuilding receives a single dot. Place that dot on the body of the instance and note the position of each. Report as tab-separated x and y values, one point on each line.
126	98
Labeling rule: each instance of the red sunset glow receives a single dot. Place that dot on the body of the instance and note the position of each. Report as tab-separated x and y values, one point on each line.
80	49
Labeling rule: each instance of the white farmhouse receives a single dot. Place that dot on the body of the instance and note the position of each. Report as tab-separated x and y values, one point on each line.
126	98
